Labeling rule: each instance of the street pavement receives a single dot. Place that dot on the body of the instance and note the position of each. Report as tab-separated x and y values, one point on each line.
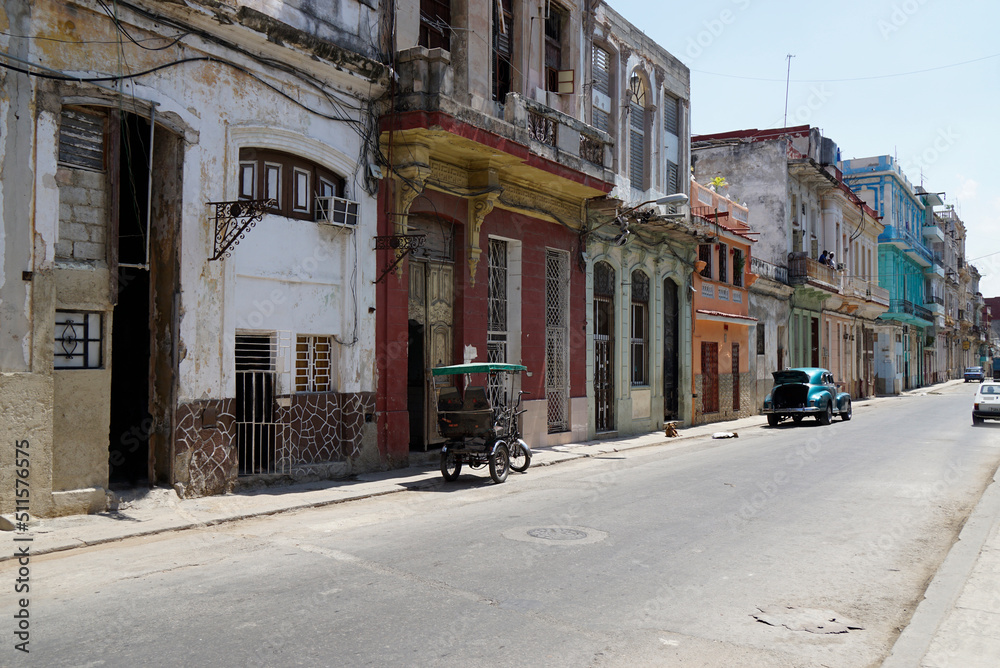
956	625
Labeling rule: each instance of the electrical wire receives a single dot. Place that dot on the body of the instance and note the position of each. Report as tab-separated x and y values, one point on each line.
175	63
871	78
81	42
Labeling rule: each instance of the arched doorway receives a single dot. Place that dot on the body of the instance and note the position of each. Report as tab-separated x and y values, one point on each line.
604	346
671	346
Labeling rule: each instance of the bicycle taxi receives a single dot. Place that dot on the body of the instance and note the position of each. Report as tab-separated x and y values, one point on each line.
480	421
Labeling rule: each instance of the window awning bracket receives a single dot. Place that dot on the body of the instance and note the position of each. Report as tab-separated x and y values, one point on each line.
233	220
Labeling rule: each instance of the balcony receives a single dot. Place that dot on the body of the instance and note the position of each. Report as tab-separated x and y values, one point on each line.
867	290
802	270
935	304
556	135
908	243
765	269
933	232
908	312
437	116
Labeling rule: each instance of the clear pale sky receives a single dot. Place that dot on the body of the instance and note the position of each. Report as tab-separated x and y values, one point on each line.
916	79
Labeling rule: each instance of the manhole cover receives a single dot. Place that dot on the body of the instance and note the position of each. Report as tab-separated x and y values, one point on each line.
557	533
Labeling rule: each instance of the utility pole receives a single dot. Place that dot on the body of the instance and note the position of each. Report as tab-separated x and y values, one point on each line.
788	78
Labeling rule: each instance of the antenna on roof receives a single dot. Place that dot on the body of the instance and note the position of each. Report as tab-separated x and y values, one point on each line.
788	78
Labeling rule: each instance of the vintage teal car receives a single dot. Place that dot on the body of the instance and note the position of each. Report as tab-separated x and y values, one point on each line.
806	391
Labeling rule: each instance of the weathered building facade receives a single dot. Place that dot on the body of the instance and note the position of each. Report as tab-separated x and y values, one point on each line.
640	253
186	208
910	349
803	211
517	197
721	357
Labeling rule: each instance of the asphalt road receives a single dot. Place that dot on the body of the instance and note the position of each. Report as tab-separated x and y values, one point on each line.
655	557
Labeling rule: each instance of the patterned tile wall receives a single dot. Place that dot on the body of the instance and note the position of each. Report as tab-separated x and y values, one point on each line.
322	428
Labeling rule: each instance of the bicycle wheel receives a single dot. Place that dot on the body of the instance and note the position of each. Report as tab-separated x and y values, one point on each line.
520	458
500	464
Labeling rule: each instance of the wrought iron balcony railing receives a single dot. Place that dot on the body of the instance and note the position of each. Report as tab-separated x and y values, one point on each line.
765	269
908	307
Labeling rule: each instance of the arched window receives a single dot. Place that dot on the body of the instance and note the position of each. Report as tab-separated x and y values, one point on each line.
637	132
639	343
604	346
292	182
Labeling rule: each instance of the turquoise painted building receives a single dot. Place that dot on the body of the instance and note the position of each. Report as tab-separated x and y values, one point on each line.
908	267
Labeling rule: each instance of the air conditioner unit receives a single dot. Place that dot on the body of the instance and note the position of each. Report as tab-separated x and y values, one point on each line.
336	211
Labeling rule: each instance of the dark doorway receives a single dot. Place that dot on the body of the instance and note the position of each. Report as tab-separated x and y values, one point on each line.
604	347
256	423
131	422
671	330
814	342
415	384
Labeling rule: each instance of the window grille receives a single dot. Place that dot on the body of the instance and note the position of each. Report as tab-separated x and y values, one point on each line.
313	364
761	350
723	267
604	280
705	255
496	337
556	340
736	376
639	342
259	434
78	340
738	267
604	343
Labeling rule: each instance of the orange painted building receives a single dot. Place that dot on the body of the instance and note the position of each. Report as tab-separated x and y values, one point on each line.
722	384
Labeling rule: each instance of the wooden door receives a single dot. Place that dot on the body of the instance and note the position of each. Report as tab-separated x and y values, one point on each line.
709	377
431	316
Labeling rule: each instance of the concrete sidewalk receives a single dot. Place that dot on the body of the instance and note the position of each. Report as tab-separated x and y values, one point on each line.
956	625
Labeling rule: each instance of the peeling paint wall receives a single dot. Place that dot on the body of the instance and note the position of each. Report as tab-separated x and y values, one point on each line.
55	238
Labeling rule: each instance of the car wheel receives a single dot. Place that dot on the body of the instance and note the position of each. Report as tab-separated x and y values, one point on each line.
773	419
847	413
797	418
976	420
826	417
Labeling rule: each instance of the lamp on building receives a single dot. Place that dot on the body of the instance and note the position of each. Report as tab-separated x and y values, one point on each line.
676	198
